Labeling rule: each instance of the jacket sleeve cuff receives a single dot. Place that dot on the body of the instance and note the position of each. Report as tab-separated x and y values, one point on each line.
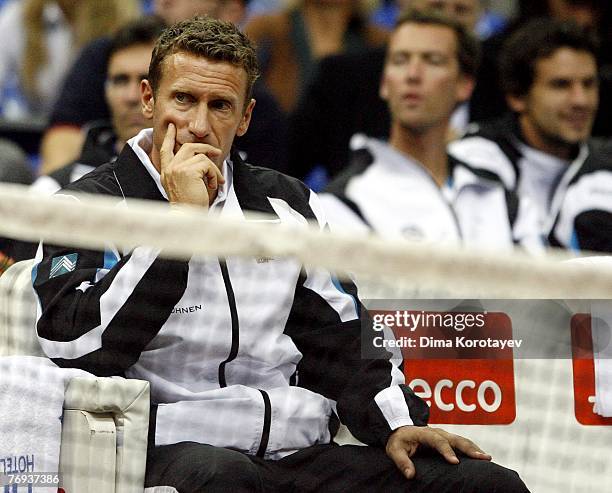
394	407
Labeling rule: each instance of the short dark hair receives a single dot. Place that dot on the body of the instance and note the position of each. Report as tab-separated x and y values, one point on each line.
468	47
538	39
144	30
206	37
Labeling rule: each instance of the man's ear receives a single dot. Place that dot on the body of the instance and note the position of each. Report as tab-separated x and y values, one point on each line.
147	101
465	87
518	104
246	119
383	91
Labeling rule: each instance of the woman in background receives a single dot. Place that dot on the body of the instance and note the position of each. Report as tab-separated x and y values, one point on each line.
39	40
291	42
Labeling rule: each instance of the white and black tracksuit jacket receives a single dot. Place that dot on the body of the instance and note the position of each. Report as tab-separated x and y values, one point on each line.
584	220
260	356
578	214
386	191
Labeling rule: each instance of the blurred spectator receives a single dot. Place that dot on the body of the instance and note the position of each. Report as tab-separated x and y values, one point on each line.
234	11
130	53
13	169
176	10
543	151
409	186
39	39
5	258
291	42
82	100
467	12
342	100
258	7
129	56
14	166
585	13
488	98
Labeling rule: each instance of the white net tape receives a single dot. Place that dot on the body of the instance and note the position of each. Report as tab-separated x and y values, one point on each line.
96	222
546	440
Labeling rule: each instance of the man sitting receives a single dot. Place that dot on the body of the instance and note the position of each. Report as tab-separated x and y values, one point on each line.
248	389
542	151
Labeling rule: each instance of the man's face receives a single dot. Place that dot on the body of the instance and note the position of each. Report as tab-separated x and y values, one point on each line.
203	98
172	11
558	111
467	12
421	81
126	68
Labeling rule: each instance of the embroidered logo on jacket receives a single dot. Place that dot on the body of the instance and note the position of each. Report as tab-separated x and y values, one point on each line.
63	265
186	309
263	260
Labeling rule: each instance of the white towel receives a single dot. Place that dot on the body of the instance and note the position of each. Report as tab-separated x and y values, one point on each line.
601	328
31	400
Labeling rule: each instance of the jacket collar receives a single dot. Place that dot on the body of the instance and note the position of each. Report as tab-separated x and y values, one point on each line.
99	146
133	177
249	188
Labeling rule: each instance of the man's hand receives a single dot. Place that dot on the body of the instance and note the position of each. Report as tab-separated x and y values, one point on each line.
190	176
404	441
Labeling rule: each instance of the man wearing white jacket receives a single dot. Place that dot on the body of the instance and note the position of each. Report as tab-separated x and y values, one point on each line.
543	151
410	186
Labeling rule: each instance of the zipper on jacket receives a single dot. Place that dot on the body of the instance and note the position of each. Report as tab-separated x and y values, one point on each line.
265	434
234	316
559	193
440	191
449	205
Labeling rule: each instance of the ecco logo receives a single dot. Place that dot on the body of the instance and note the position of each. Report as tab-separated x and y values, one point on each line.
464	392
467	395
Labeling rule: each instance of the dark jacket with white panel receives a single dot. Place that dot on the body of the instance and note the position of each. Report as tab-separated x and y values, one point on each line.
98	149
576	199
584	220
385	191
258	355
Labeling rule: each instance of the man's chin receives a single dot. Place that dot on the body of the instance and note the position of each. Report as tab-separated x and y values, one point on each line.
575	138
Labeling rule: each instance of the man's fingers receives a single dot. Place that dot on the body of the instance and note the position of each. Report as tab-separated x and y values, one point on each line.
201	165
401	457
438	440
403	443
443	446
194	148
191	175
213	177
465	445
166	151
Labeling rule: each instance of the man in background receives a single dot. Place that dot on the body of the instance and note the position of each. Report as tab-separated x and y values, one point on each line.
343	99
409	186
130	53
128	64
542	151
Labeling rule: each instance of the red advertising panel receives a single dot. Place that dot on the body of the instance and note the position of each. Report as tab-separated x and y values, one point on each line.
584	372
